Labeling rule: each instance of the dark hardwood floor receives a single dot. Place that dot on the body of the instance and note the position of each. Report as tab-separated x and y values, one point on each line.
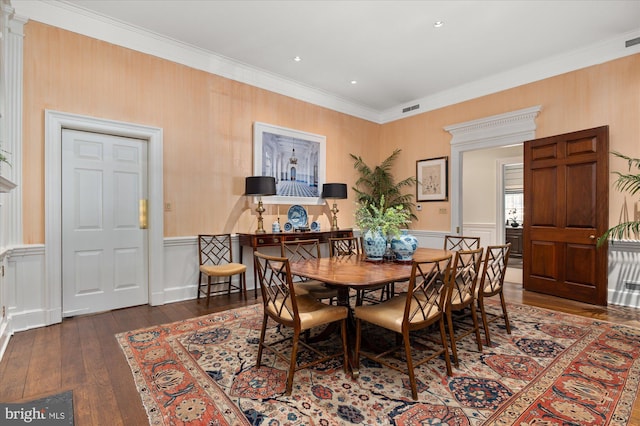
83	355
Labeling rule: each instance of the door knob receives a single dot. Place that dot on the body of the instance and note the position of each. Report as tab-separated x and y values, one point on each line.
592	237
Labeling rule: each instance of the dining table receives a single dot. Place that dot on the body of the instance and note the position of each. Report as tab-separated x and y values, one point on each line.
357	272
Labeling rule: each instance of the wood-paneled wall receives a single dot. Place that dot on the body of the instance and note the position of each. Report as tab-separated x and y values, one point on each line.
207	123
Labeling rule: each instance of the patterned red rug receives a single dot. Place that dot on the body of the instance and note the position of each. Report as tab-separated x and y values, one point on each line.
554	369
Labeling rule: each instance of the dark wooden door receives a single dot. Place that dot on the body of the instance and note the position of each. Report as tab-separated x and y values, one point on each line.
566	193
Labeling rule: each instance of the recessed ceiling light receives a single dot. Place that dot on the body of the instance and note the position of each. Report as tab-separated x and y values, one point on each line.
354	82
297	59
438	24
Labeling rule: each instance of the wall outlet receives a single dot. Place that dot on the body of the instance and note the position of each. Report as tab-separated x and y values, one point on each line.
419	207
168	207
443	210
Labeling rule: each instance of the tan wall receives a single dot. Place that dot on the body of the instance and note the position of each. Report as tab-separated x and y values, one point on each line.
207	122
607	94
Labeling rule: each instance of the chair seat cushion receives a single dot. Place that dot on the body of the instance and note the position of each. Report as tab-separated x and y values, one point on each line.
223	270
312	312
390	313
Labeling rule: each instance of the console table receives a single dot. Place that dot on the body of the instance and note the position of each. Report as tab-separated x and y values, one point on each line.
255	241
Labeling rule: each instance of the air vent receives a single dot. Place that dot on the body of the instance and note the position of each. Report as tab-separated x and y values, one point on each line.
411	108
632	42
631	285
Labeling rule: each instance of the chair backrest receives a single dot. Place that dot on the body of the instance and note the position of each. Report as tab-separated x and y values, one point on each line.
458	242
296	250
466	270
278	294
494	270
428	289
345	246
215	249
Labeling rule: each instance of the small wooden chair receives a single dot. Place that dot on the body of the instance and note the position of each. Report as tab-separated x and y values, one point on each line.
492	283
302	312
465	273
423	304
296	250
216	261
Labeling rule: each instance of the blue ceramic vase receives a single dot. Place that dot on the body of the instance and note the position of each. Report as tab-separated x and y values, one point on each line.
404	246
375	244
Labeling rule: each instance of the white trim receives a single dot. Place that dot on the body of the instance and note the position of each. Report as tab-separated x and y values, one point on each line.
500	218
54	123
68	16
489	132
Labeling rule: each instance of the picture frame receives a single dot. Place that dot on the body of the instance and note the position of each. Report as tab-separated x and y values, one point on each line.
432	179
296	159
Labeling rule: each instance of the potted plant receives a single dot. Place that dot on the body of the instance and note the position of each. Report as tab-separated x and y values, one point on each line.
379	224
631	183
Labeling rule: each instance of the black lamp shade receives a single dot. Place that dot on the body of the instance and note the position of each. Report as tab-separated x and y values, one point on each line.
334	190
260	185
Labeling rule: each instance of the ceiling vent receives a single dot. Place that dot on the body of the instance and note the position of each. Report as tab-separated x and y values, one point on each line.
411	108
632	42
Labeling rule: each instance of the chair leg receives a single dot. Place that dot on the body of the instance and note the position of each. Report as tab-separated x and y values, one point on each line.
345	349
292	364
504	311
485	323
452	337
443	337
198	287
263	333
476	325
208	290
356	354
412	376
243	281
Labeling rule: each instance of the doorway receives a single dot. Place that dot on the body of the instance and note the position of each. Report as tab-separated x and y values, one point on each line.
55	122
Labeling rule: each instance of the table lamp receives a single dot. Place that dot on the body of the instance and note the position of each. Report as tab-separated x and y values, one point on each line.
259	186
335	191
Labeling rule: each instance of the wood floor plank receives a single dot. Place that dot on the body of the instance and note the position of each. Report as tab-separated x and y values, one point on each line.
92	364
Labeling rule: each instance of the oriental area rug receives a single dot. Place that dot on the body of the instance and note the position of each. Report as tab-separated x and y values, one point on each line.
554	369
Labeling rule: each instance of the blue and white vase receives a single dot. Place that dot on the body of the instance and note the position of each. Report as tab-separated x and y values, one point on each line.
404	246
375	244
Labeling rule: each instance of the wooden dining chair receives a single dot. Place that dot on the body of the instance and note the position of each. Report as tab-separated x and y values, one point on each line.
461	295
492	283
422	305
297	250
216	262
283	305
459	242
352	246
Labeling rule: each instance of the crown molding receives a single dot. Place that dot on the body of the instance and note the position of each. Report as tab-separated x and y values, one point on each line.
67	16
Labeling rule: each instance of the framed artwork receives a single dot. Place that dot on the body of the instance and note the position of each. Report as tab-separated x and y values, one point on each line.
432	176
296	159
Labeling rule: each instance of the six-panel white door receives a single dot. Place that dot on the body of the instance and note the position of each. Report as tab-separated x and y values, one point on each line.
104	248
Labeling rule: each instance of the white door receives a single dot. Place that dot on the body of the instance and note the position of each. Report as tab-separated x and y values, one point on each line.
104	245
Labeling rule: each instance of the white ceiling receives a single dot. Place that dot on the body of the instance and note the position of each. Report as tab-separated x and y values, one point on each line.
390	48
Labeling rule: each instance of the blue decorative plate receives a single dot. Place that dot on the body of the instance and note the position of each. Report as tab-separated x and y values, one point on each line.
297	215
315	225
288	227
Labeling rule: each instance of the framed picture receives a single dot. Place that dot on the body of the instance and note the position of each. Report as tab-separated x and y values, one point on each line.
296	159
432	176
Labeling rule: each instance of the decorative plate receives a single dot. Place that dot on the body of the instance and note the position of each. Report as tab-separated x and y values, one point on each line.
288	227
315	225
297	215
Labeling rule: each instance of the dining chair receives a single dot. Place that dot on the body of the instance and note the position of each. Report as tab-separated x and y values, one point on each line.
459	242
352	246
216	262
300	312
492	283
461	295
297	250
422	305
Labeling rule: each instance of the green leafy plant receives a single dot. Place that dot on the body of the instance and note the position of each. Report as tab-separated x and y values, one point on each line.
389	220
378	182
628	182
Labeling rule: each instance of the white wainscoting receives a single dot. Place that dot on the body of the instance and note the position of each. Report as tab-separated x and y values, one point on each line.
26	288
486	232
